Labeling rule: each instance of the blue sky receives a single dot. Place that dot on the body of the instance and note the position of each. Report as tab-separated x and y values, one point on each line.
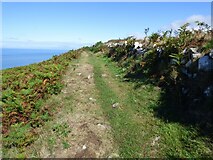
71	25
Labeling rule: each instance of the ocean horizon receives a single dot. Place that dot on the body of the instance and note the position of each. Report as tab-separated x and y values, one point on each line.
15	57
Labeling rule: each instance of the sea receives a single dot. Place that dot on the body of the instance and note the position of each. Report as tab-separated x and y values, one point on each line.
20	57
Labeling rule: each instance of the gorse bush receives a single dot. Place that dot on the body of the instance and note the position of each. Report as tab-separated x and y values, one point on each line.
24	89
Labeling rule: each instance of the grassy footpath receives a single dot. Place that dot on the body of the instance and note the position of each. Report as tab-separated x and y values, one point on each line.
138	132
24	91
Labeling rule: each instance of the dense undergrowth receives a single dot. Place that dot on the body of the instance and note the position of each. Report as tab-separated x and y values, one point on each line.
24	90
162	62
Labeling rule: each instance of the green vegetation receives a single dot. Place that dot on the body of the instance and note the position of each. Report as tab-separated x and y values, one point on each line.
136	129
24	91
98	47
154	107
61	129
162	62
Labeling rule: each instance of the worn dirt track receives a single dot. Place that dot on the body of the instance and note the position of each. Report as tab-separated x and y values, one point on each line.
90	135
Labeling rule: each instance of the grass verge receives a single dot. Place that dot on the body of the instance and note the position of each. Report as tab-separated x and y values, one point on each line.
137	131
